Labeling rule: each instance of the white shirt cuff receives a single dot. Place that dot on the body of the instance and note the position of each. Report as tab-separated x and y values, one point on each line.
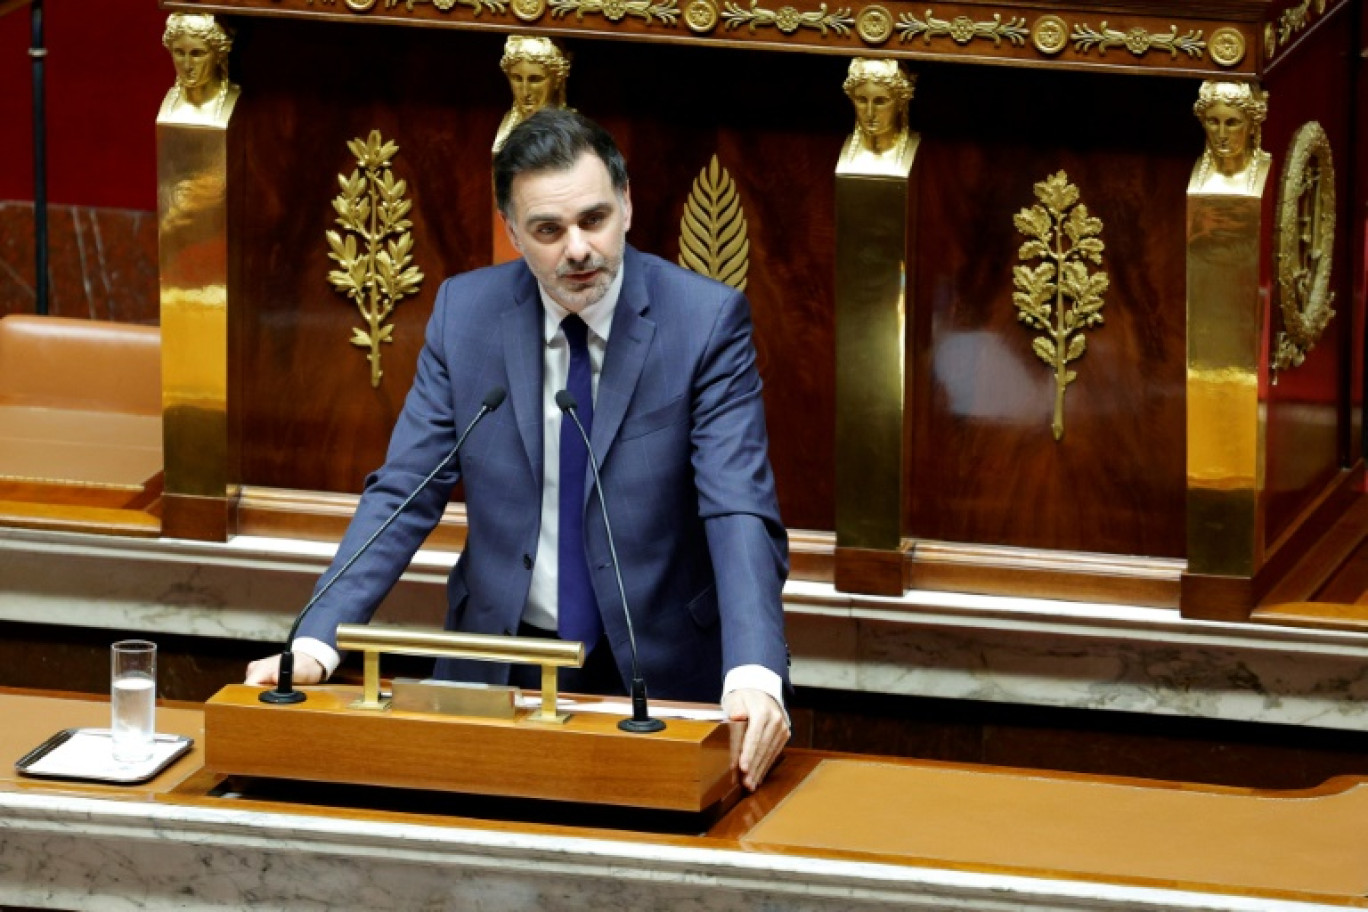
757	677
321	653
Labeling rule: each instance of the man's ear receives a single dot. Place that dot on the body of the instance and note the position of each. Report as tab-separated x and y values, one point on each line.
626	208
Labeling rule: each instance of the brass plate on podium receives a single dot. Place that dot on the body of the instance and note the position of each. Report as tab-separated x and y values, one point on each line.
588	760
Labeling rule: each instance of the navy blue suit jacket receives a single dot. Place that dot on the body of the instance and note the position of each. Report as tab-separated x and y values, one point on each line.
679	429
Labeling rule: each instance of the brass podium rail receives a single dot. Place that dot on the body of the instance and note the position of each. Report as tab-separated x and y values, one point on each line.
374	639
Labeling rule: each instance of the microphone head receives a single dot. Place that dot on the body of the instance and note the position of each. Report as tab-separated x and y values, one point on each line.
565	400
494	398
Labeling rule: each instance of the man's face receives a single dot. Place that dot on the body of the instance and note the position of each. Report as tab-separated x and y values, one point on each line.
571	227
194	61
1227	130
531	86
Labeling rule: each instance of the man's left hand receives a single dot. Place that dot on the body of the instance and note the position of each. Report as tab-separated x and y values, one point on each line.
766	731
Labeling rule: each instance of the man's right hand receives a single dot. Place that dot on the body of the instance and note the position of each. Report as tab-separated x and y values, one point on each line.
266	672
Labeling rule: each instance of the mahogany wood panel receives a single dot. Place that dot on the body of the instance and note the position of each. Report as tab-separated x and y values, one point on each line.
1309	424
825	28
310	419
985	467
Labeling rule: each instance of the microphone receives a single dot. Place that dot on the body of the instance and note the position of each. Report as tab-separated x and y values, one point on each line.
285	692
641	720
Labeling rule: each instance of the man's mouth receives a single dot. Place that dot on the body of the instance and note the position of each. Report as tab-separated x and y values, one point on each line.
581	276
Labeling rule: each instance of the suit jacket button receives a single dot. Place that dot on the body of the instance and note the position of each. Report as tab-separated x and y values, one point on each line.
527	561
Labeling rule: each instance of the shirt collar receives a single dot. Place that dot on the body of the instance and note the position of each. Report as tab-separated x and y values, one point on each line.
598	316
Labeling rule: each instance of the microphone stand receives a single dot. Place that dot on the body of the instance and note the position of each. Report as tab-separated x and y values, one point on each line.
284	691
641	721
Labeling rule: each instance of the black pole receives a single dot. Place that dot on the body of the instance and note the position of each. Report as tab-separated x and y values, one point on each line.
38	53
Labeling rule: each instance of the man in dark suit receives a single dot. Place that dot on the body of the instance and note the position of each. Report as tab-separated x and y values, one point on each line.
668	387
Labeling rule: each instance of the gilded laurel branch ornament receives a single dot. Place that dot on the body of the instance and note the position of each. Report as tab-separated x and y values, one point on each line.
1137	40
962	29
1305	242
787	19
666	11
1059	296
372	209
712	232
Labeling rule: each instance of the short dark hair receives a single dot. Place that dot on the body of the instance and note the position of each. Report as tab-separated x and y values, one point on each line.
553	139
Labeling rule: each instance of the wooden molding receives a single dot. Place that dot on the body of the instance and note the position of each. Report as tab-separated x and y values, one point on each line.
1033	573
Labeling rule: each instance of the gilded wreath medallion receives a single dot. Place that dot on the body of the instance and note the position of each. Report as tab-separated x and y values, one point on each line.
529	10
1305	244
1050	35
874	24
701	16
1227	46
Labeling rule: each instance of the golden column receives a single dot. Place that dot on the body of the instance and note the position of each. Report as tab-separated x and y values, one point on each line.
192	221
1226	313
875	204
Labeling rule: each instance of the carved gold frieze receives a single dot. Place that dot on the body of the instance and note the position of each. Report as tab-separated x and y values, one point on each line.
713	237
666	11
787	19
372	209
1293	20
1305	243
445	6
928	27
962	29
1137	40
1278	33
1059	296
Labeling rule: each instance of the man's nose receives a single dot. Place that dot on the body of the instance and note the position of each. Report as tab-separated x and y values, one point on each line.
576	244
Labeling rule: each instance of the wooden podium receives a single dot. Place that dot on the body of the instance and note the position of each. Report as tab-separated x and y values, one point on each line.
685	767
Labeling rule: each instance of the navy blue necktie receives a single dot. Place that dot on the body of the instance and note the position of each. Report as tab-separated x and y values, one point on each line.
577	609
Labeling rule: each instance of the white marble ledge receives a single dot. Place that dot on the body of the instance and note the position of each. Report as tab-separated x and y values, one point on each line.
76	853
270	578
923	644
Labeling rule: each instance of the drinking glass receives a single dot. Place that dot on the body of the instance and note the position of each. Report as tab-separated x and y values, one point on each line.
133	695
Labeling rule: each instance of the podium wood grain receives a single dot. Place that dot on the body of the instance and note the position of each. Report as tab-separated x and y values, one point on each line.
686	767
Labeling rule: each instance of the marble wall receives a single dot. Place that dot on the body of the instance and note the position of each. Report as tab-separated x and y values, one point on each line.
102	263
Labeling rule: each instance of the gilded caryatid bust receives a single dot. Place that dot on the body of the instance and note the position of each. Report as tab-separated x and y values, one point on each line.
880	90
537	70
199	49
1232	114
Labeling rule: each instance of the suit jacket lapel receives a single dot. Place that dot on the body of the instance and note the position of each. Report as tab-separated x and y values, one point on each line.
628	344
521	330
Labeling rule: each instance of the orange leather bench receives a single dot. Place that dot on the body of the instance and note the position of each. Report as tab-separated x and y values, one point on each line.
80	412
